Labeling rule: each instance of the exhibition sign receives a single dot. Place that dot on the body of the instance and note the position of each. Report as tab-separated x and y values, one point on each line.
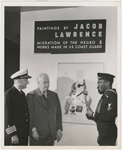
73	36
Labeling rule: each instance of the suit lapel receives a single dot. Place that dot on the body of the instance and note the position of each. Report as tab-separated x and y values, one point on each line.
39	96
49	100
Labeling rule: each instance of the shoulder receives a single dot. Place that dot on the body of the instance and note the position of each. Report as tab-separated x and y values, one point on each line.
7	92
10	94
11	90
52	92
31	92
30	96
111	96
111	93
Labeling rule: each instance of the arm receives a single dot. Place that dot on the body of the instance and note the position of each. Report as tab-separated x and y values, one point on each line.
59	120
32	116
67	104
111	112
10	128
31	110
35	133
90	114
87	102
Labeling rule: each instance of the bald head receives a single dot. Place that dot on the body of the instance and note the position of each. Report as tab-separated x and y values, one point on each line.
43	82
41	75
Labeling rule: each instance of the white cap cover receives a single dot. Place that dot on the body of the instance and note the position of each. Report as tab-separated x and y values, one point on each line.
22	74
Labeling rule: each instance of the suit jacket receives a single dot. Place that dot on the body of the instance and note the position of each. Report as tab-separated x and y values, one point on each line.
46	114
16	113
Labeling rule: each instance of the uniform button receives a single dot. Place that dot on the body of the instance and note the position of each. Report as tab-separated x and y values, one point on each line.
26	113
26	119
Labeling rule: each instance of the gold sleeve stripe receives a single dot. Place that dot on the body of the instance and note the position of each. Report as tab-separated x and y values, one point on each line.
11	129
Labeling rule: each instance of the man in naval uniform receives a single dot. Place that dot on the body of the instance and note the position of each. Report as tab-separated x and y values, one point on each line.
16	111
106	111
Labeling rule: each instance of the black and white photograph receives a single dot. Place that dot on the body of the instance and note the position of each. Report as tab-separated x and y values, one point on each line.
60	75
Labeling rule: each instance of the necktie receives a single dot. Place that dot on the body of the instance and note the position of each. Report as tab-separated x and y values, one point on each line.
44	96
99	106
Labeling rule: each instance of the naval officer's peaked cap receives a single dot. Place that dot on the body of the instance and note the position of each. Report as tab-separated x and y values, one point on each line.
105	76
21	74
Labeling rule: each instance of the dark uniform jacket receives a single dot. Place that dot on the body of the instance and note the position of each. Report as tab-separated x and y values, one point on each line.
46	114
16	113
105	115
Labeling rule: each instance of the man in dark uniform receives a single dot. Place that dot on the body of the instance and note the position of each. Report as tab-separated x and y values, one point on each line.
16	111
106	111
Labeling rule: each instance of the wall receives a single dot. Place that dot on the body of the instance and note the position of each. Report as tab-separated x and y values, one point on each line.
48	63
12	61
37	63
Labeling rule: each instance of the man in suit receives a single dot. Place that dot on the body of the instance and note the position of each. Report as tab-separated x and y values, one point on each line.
16	111
106	111
45	114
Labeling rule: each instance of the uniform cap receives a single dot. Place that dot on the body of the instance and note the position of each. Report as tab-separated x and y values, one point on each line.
22	74
105	76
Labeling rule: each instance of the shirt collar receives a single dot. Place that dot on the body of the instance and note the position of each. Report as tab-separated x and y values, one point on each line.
17	88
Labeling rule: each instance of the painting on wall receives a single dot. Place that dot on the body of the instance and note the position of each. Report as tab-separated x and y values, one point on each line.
75	98
74	80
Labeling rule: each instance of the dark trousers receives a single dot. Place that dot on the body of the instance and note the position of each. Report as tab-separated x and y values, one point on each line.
23	141
109	142
46	141
107	137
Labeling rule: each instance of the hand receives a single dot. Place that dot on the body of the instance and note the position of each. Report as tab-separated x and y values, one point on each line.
88	102
14	139
85	93
66	112
59	135
69	100
35	134
89	112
